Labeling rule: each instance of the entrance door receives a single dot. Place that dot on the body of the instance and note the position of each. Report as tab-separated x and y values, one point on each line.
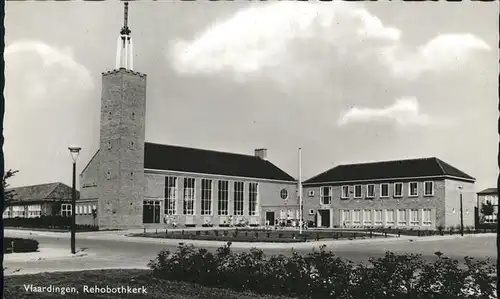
270	217
325	217
151	211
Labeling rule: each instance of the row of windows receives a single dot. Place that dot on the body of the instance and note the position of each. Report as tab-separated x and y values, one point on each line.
388	217
85	209
189	197
413	187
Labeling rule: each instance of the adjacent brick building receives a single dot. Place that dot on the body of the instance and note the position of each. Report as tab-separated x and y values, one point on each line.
417	193
49	199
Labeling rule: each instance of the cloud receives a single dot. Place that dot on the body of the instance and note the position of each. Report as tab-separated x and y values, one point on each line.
444	52
405	111
261	36
47	103
268	39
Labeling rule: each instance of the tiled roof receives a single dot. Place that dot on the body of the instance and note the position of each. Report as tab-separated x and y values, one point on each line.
488	191
43	192
184	159
424	167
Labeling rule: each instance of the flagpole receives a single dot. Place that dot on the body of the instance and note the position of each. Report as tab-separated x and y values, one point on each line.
300	191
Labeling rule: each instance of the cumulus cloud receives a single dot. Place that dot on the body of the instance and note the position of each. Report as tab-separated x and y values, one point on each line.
405	111
265	39
46	90
444	52
260	36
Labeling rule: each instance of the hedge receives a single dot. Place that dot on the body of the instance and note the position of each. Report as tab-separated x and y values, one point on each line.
321	274
49	222
20	245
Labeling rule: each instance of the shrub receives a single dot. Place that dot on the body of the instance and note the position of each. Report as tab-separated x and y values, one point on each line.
20	245
321	274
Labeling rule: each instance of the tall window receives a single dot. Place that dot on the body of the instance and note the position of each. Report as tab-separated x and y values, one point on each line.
414	220
398	189
345	192
34	211
223	198
66	209
426	215
253	198
367	217
370	191
346	217
170	195
206	197
390	217
357	191
356	217
378	217
238	198
413	188
384	190
401	217
428	188
189	185
326	195
282	214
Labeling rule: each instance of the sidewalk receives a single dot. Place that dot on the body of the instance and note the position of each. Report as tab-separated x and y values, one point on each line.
123	236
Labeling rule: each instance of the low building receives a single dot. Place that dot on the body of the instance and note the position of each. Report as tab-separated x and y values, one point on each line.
39	200
487	203
416	193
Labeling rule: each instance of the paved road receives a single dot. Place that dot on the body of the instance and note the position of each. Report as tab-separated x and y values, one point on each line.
123	252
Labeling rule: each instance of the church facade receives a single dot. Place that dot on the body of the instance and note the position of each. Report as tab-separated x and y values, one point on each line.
134	183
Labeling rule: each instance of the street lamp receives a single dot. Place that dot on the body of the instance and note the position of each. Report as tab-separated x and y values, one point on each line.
74	151
461	213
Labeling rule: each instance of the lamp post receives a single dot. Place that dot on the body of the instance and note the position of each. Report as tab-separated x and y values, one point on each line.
461	213
300	193
74	151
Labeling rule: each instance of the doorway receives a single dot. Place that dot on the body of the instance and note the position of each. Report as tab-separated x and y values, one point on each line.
270	217
324	218
151	211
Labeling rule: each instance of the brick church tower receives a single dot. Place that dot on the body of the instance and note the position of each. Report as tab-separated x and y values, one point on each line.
122	135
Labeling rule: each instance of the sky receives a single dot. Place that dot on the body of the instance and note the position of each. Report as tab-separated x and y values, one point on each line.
346	82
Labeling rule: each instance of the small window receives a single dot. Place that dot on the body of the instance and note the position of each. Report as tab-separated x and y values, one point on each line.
109	145
384	190
131	175
284	194
398	189
108	175
370	191
311	212
133	115
357	191
413	188
345	192
109	115
428	188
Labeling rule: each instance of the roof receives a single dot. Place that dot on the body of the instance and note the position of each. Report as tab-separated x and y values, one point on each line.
185	159
400	169
488	191
42	192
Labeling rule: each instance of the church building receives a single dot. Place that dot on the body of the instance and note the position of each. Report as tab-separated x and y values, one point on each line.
134	183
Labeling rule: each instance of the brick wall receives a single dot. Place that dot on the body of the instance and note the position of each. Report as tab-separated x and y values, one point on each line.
121	158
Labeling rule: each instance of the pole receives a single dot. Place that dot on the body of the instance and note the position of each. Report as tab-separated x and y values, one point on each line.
300	192
461	216
73	208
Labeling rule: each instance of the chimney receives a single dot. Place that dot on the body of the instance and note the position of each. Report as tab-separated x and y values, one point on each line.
261	153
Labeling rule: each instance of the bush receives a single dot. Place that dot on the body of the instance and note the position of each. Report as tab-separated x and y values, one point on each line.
46	222
321	274
20	245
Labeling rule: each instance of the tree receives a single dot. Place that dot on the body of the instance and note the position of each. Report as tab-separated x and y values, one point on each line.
8	194
94	214
487	208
